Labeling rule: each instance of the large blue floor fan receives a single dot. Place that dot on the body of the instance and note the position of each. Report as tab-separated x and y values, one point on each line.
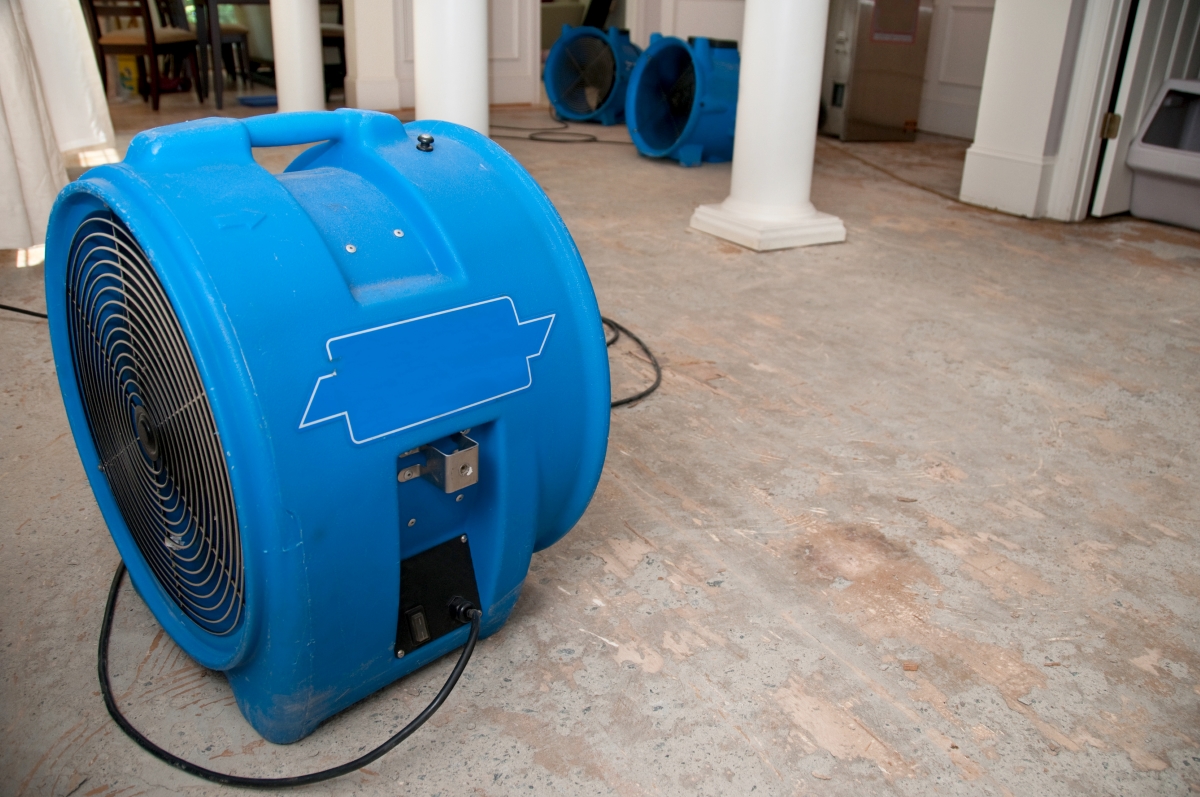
682	99
587	74
327	415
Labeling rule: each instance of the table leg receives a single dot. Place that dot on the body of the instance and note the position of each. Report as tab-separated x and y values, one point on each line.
214	27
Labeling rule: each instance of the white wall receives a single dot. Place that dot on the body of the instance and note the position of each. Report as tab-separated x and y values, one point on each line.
716	19
954	67
516	51
379	53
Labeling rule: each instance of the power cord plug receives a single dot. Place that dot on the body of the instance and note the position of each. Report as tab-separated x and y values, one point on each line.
462	610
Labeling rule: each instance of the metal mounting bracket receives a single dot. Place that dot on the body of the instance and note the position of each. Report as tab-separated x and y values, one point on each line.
452	470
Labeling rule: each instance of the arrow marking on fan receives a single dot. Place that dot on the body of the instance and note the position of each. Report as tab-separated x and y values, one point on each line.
390	378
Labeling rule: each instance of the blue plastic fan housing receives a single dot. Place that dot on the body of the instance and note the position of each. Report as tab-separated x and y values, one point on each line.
682	99
287	390
587	73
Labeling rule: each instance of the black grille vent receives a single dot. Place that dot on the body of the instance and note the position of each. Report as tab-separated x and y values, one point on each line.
665	95
679	98
584	75
152	425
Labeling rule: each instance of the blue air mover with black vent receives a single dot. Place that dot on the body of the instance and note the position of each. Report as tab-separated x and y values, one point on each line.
587	72
315	406
682	100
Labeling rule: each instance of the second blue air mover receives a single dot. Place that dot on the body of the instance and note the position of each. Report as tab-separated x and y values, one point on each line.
682	99
317	407
587	73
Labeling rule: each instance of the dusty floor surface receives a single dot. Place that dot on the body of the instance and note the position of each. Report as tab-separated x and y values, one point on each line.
915	514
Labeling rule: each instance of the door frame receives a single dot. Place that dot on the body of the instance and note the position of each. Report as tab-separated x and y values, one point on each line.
1152	38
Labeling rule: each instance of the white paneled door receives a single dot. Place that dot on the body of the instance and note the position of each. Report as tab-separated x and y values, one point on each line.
954	68
514	50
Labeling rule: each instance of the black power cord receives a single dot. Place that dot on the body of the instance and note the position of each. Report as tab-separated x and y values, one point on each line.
463	611
22	311
617	331
561	133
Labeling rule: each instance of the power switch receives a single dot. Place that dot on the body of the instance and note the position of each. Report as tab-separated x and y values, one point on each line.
417	627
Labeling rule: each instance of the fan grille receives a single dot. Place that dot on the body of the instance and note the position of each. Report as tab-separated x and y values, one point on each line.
584	75
152	425
665	95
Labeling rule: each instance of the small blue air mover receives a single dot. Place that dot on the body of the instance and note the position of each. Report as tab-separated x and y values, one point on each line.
682	100
587	72
314	407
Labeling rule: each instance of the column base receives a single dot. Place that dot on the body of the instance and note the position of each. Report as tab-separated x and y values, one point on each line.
764	235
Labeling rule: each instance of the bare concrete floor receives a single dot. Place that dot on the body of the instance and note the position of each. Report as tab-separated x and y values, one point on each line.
915	514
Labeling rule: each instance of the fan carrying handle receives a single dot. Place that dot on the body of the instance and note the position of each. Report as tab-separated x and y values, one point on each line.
300	127
219	140
368	129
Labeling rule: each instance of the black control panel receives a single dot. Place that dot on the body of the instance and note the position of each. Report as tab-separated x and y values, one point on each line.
428	582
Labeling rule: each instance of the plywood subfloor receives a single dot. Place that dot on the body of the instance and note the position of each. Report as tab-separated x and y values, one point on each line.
914	514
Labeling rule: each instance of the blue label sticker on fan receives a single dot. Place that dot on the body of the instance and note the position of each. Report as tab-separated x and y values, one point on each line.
394	377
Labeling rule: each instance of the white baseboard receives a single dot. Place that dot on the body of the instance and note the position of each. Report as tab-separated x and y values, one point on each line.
1007	181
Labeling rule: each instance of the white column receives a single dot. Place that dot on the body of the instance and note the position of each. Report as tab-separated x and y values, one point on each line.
371	79
450	54
1017	132
779	91
296	39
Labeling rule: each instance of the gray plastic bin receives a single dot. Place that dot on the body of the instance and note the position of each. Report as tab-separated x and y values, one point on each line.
1165	157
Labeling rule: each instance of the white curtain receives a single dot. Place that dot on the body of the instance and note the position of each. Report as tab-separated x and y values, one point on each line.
51	102
31	166
66	63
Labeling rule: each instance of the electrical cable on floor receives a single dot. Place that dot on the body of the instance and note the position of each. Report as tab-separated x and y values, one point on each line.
618	330
845	151
615	337
465	611
561	133
895	176
22	311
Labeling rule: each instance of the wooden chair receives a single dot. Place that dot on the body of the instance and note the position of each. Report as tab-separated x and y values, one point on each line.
235	48
235	42
144	42
174	14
